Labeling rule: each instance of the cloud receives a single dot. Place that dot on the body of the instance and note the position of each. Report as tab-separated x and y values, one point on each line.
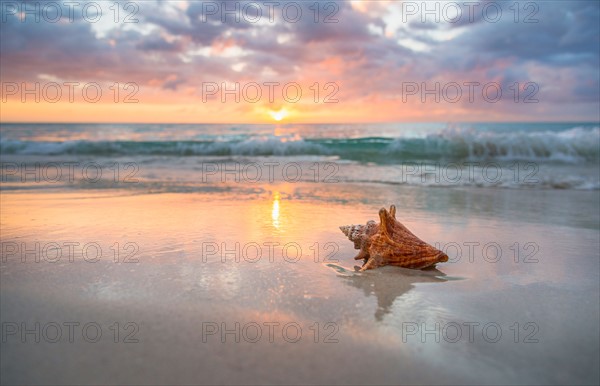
177	45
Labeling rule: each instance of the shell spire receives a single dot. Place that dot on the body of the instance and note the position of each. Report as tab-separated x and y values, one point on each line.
347	230
391	243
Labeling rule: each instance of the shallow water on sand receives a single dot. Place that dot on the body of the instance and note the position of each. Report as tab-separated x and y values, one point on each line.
261	287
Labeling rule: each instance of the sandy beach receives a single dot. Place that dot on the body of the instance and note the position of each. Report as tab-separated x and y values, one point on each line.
286	306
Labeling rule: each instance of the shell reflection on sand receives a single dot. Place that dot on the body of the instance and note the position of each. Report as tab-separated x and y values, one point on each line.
388	283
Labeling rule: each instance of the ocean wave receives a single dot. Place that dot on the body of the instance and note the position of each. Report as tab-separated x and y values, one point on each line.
576	145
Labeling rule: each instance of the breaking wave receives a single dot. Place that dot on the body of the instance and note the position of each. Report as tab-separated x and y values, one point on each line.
575	146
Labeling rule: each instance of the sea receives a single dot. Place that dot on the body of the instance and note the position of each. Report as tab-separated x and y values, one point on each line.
174	157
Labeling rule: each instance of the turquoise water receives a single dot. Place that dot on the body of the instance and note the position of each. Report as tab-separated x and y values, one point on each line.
505	155
382	143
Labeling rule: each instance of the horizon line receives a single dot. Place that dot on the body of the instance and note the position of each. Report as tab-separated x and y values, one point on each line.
284	123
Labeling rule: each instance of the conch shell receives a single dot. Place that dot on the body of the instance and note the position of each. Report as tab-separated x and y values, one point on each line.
391	243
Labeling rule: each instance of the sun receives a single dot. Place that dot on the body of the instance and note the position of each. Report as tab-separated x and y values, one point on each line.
278	115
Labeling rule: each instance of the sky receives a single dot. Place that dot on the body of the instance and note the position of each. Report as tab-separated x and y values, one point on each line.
299	62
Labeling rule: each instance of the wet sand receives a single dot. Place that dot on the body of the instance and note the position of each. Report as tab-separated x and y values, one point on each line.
522	308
